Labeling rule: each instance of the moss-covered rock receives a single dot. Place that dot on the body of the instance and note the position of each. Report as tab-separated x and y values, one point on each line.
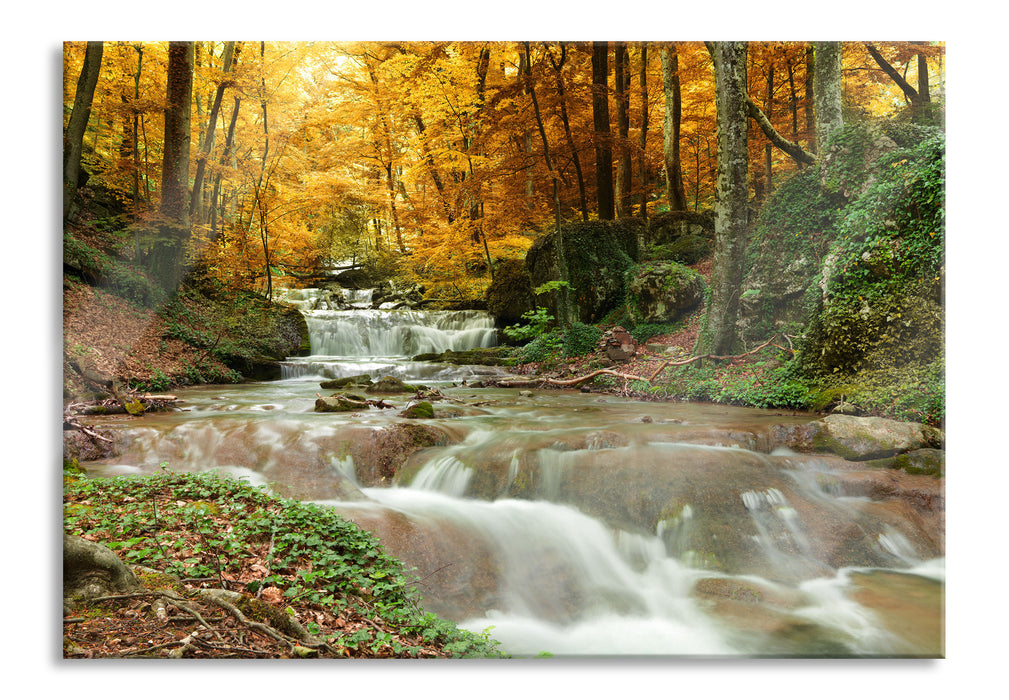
510	294
391	385
598	254
421	409
661	292
358	380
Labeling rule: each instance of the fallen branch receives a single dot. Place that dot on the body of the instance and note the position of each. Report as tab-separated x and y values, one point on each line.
70	423
523	383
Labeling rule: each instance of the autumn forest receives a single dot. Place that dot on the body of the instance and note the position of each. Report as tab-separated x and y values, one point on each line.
261	161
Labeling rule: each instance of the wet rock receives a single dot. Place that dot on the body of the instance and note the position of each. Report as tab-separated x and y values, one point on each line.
421	409
927	461
359	380
865	438
391	385
337	404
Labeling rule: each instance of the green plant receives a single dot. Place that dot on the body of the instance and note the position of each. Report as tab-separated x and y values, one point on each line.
204	525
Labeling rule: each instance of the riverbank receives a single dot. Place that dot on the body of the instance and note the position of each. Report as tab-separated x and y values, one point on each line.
296	580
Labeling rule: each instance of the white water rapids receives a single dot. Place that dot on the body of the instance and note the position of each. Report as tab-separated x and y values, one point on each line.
569	523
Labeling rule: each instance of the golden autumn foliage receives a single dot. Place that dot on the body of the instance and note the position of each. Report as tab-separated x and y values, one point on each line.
425	157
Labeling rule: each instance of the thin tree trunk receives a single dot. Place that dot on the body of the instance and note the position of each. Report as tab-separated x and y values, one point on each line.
601	129
73	138
562	265
671	129
718	334
643	136
225	157
568	136
769	105
196	201
622	185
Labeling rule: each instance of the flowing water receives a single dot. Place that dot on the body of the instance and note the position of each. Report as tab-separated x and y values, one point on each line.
576	523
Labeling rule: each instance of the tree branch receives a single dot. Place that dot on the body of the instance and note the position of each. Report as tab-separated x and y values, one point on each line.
793	149
908	91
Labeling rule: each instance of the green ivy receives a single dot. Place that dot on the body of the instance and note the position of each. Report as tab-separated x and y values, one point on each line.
316	557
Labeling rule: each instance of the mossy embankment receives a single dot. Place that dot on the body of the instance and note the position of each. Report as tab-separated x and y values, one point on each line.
846	274
121	331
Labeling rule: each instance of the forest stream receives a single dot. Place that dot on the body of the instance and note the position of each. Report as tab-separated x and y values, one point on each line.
573	523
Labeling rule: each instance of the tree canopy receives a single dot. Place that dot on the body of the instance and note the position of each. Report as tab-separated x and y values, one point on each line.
435	160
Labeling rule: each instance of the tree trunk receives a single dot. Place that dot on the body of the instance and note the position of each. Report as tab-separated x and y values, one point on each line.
73	139
196	202
827	91
562	265
601	129
809	101
643	137
168	257
175	166
675	193
568	136
769	106
718	334
622	185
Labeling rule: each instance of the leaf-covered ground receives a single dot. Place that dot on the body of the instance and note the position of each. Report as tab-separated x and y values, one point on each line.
303	582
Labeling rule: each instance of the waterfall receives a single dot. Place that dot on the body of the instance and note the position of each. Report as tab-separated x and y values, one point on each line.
348	337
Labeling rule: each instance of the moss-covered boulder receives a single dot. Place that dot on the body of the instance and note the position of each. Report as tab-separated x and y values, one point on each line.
661	292
510	292
598	253
358	380
682	236
421	409
391	385
858	438
337	404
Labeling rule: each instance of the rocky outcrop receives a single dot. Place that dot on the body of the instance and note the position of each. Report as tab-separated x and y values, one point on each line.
661	292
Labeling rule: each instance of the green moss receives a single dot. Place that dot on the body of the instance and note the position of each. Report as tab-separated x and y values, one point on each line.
421	409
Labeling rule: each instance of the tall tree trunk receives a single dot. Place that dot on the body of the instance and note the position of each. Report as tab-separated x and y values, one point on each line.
264	232
558	66
225	157
769	106
718	334
168	259
73	138
827	91
622	185
643	136
601	129
175	167
196	201
671	129
562	265
810	101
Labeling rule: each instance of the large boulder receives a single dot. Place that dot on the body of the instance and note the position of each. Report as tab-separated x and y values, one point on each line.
661	292
683	236
858	438
510	293
598	253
